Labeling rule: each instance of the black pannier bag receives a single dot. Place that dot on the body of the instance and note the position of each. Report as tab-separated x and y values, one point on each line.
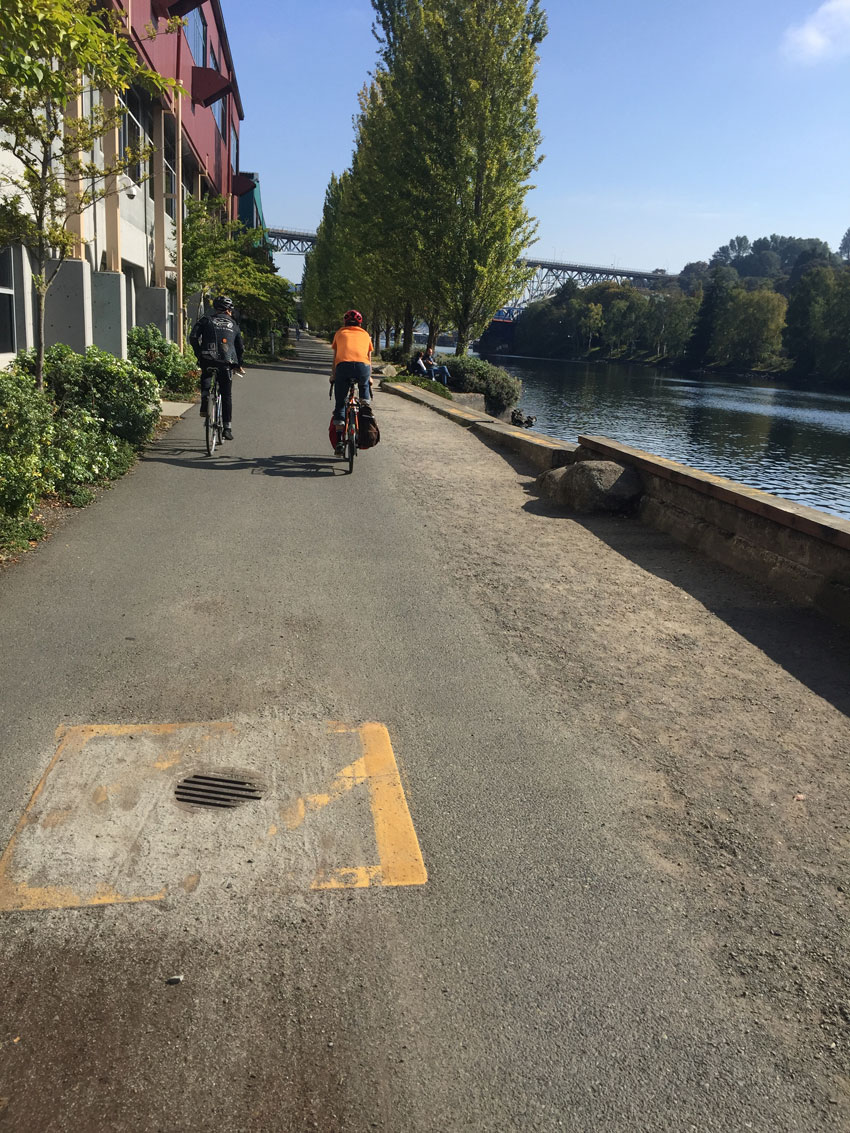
369	434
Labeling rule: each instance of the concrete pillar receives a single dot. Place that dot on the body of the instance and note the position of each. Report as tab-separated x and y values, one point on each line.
109	295
152	307
74	187
68	309
112	201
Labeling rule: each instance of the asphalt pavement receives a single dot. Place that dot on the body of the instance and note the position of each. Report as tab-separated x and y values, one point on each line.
422	918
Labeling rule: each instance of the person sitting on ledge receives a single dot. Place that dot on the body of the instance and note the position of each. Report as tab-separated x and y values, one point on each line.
435	373
418	367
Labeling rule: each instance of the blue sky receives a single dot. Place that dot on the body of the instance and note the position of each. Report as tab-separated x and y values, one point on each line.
668	126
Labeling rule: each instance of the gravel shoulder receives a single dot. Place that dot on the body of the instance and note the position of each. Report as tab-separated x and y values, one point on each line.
726	708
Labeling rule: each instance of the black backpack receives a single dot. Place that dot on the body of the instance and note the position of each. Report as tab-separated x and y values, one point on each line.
368	434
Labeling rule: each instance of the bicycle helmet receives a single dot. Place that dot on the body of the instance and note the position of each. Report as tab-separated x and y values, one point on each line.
352	318
223	303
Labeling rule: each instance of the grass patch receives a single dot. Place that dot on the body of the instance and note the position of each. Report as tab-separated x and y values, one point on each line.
427	384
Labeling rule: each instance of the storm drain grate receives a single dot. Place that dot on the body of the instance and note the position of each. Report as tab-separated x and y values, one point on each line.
216	791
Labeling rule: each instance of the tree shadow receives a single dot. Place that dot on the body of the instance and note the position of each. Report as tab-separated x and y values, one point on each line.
813	649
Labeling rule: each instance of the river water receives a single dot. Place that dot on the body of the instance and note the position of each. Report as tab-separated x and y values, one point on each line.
791	442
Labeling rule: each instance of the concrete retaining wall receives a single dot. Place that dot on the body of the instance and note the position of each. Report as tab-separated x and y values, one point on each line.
798	551
541	451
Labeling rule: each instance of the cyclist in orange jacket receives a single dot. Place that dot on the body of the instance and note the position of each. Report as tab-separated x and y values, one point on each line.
352	349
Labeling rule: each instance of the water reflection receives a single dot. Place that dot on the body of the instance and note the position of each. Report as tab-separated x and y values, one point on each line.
794	443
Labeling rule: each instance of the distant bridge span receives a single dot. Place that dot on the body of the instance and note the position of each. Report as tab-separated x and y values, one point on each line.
549	275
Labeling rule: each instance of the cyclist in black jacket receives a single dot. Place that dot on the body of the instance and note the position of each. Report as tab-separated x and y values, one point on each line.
217	342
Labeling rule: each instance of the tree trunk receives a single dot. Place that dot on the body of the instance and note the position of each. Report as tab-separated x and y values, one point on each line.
462	340
433	332
407	341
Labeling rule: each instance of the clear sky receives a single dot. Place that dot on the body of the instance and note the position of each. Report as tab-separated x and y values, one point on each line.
668	126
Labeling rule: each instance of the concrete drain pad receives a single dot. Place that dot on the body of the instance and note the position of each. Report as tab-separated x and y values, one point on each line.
104	826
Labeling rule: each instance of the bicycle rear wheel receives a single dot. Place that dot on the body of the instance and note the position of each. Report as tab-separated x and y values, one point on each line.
210	432
219	420
351	447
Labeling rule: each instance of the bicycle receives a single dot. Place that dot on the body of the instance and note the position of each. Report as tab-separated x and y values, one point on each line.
213	423
352	425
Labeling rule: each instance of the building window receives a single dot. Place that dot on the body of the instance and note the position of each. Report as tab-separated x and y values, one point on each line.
218	107
7	303
218	113
196	33
133	136
170	180
234	149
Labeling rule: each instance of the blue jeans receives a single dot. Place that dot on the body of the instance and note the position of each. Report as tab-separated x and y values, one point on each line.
345	374
439	374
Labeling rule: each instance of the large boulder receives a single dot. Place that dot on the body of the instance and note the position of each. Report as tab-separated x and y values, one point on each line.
590	486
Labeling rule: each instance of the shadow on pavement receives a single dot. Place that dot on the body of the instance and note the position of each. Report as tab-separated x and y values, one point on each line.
289	464
814	650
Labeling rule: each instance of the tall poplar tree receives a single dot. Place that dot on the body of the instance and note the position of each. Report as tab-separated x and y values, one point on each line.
482	57
458	86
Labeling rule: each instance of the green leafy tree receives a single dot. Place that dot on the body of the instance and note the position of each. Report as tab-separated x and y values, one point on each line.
808	330
837	346
54	53
591	321
223	256
722	281
694	276
748	329
844	247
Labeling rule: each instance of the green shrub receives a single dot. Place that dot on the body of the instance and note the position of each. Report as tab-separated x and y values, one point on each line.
474	375
177	373
26	432
17	534
82	453
397	355
125	398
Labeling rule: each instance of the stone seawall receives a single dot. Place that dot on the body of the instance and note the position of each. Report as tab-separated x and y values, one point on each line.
799	551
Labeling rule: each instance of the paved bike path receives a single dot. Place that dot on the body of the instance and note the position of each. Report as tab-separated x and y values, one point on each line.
426	923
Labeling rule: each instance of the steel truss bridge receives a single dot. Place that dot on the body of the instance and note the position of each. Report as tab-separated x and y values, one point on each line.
549	275
290	240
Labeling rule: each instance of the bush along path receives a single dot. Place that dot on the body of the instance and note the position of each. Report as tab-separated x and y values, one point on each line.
84	429
468	375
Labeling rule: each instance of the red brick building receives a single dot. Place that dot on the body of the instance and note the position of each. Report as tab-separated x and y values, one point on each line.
127	268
